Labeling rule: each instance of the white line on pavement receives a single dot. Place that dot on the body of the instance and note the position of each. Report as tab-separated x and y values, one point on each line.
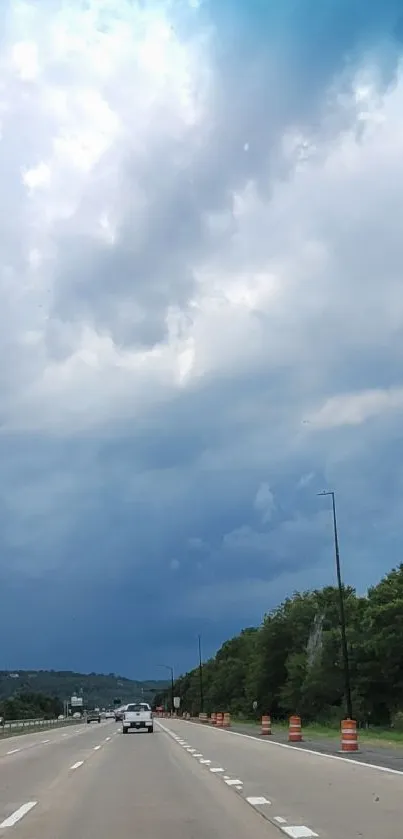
299	832
96	748
106	739
309	751
76	765
205	762
45	741
279	820
198	754
217	769
18	814
257	800
13	751
235	783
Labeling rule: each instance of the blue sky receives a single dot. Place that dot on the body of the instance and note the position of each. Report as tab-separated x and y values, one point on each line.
201	318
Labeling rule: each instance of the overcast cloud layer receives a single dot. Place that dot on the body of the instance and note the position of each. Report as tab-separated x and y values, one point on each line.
201	317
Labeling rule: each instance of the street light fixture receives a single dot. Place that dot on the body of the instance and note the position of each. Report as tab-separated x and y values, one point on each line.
349	705
171	670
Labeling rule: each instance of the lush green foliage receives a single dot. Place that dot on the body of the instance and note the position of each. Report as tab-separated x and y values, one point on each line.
292	662
20	690
30	706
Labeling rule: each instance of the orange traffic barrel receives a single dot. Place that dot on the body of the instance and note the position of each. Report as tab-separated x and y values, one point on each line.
220	719
213	718
294	730
226	720
266	725
349	738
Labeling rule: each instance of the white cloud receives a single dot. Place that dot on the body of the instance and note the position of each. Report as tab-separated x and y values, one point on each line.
264	502
356	408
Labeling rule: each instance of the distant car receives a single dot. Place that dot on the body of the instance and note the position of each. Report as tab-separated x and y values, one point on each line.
119	714
76	716
138	716
61	717
93	716
110	715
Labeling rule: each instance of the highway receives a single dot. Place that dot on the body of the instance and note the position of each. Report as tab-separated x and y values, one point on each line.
188	781
317	794
93	783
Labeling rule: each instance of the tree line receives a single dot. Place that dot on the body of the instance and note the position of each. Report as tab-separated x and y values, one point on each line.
30	706
292	662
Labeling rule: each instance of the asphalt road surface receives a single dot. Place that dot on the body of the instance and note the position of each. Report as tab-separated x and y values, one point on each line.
388	756
93	783
316	794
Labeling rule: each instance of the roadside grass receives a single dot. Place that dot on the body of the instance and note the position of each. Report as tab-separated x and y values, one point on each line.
314	731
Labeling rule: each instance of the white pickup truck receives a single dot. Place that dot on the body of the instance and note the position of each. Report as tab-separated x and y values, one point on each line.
138	716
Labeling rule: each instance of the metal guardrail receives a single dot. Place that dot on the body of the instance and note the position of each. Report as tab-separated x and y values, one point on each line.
9	727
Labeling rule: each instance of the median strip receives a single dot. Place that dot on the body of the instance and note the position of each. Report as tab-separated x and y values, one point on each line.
18	814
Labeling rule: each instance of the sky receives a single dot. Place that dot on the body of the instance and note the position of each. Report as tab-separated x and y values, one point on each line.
201	318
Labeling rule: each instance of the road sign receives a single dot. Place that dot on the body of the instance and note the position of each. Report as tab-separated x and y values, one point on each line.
177	702
254	705
76	701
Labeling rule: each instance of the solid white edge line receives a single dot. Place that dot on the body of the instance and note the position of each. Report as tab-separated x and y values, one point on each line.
77	765
18	814
308	751
299	832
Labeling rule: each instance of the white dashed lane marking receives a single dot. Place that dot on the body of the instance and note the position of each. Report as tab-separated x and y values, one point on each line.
96	748
18	814
13	751
77	765
257	800
293	831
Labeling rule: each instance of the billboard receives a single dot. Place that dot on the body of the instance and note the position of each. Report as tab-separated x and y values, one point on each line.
76	701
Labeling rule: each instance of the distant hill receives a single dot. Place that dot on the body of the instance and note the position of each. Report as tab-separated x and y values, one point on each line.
95	688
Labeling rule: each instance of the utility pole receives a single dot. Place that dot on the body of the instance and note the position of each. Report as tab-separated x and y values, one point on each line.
347	684
201	676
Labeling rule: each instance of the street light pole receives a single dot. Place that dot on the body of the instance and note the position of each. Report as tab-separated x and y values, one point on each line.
171	670
201	676
349	705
